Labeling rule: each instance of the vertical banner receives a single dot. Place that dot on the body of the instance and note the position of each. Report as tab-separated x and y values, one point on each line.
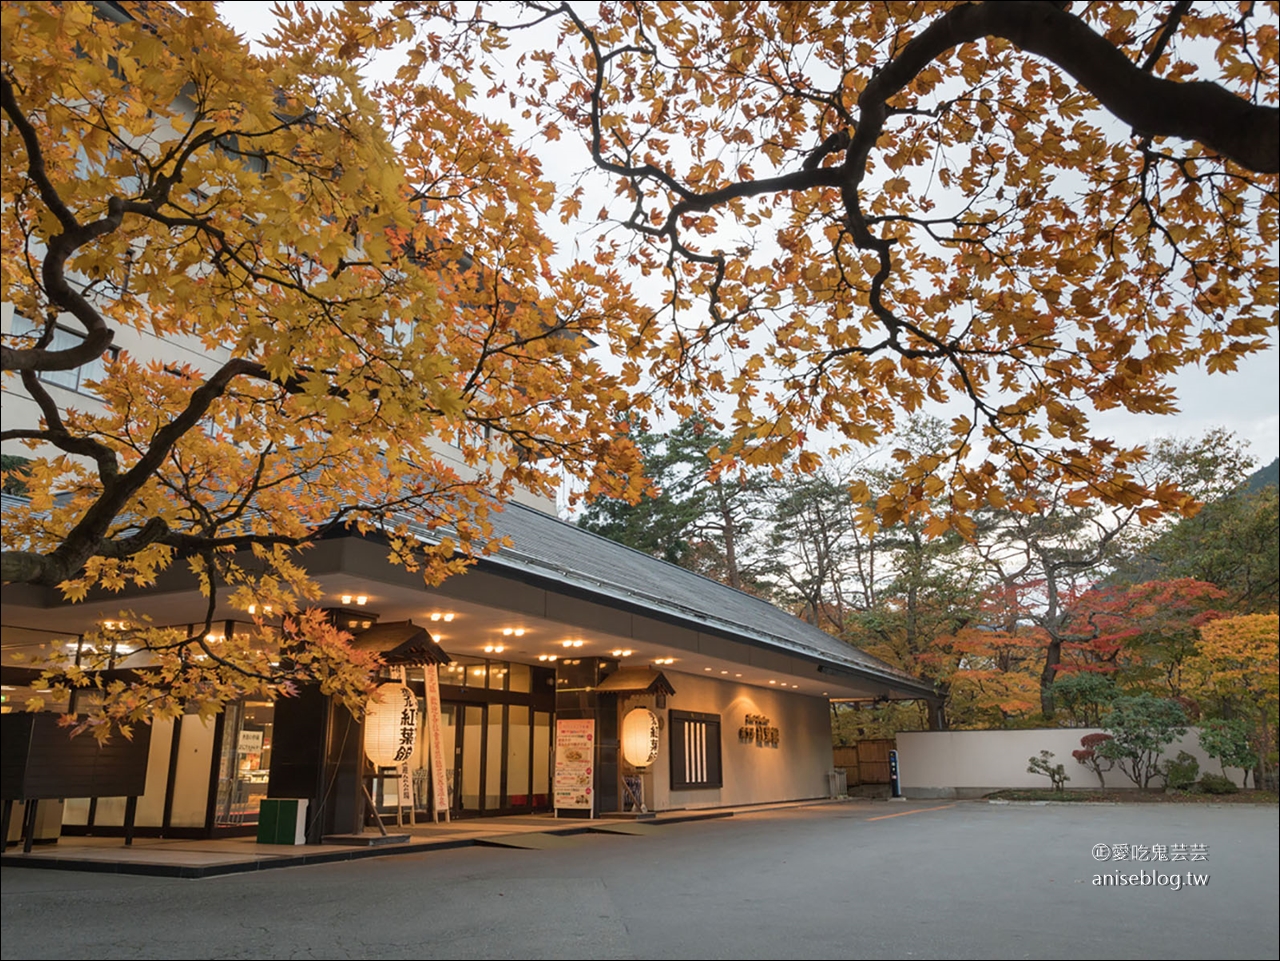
435	734
575	764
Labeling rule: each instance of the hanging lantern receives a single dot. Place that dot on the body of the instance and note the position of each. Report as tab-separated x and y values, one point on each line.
640	737
391	725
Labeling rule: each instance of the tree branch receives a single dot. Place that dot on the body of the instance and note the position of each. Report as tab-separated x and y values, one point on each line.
1246	133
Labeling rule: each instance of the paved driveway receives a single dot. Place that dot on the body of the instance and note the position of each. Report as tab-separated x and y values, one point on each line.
864	880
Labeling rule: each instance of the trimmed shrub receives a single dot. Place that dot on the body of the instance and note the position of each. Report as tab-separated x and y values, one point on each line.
1217	784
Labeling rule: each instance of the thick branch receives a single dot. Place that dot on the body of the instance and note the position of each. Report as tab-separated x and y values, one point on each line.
73	236
1246	133
88	536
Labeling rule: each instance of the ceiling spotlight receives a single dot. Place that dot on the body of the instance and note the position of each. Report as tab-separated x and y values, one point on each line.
519	632
362	600
435	615
773	682
448	617
346	598
706	668
494	648
507	632
724	672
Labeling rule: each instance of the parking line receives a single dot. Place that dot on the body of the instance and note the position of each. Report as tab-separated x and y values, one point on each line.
905	813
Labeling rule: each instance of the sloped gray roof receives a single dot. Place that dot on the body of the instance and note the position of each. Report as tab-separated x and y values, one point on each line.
564	556
548	548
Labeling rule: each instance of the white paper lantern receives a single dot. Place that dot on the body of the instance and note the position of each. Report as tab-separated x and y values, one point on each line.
391	725
640	737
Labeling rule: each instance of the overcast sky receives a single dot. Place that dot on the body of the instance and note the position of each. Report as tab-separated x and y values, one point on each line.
1246	401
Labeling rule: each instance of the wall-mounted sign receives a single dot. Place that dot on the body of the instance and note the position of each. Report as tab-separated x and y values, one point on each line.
575	763
756	729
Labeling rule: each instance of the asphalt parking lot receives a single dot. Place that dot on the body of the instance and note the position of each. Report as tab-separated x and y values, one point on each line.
861	879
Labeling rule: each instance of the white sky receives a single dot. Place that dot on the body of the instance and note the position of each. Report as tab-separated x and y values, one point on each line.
1246	401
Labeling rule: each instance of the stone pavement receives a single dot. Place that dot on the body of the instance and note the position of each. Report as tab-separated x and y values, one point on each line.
166	857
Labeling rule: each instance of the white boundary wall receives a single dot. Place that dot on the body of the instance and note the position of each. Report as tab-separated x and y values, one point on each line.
961	764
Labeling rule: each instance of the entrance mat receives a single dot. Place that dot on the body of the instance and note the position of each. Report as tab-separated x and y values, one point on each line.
533	841
624	827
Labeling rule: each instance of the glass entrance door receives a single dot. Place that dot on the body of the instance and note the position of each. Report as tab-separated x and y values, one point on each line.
469	758
500	754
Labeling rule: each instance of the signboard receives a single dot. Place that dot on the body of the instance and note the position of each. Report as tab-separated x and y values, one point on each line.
575	764
756	728
250	742
435	736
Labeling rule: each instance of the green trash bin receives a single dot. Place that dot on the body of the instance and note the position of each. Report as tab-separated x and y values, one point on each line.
282	821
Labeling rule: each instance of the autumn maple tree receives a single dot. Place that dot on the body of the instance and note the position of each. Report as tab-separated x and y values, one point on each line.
1035	210
1236	672
278	292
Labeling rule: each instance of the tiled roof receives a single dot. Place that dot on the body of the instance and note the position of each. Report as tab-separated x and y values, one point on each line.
547	548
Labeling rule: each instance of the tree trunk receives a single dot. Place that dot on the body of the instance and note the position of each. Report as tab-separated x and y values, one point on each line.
1052	658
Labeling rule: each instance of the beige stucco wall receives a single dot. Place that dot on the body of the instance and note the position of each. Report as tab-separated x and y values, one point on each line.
172	350
973	763
753	774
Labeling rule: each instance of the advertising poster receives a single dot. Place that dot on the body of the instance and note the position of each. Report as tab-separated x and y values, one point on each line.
575	764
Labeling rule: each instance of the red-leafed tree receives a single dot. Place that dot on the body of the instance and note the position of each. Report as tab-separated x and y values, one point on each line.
1143	634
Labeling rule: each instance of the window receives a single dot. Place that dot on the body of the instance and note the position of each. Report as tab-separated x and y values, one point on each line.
695	750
